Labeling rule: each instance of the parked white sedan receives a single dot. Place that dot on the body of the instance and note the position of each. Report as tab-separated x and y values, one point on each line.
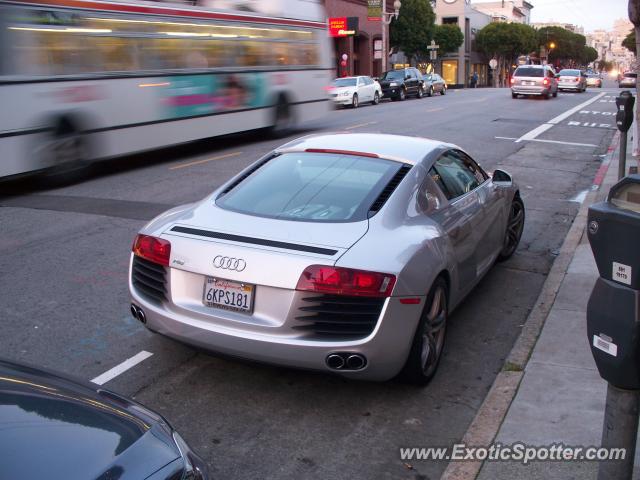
353	91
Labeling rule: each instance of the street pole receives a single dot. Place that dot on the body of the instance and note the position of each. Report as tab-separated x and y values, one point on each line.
620	430
385	22
622	168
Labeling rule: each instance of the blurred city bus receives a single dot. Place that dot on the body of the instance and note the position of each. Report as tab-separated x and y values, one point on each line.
86	80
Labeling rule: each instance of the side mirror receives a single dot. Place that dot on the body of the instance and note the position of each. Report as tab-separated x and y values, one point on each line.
500	176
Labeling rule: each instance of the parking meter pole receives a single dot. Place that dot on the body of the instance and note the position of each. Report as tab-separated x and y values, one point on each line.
620	430
622	161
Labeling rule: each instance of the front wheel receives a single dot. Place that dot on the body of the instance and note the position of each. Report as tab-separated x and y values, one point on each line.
514	95
428	341
376	98
402	95
515	226
420	93
354	101
443	91
430	93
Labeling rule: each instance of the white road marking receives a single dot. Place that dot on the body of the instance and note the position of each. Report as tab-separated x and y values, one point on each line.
563	143
554	121
123	367
359	125
200	162
506	138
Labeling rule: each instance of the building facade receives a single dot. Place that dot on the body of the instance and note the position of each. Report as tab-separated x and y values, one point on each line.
458	67
518	11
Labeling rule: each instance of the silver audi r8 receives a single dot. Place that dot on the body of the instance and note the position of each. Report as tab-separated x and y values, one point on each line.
343	253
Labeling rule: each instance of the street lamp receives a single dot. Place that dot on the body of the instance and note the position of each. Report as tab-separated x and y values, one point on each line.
385	19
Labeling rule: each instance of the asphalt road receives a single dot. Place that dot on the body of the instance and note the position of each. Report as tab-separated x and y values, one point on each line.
64	301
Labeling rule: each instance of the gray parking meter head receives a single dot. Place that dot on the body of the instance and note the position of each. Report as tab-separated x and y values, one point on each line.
624	117
613	311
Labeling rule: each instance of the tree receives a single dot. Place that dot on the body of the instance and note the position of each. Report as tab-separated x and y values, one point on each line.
589	54
412	31
568	47
448	37
505	42
629	42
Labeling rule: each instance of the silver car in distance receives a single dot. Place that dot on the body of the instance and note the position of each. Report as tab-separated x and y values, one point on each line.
342	253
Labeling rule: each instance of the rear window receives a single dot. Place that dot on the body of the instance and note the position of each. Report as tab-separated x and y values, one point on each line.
570	73
631	75
317	187
529	72
344	82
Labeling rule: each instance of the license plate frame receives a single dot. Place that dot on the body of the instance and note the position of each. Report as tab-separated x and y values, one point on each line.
214	285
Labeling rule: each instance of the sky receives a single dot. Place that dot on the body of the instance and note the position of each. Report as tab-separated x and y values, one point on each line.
590	14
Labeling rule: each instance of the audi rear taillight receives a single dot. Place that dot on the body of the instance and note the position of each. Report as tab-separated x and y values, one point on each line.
154	249
346	281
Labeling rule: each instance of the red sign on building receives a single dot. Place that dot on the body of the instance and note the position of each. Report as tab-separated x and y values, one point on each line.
343	26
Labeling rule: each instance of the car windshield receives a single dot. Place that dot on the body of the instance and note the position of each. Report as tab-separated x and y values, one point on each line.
631	75
318	187
529	72
344	82
569	73
394	75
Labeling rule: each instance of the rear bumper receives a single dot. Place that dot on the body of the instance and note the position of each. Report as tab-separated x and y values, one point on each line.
530	90
569	86
386	348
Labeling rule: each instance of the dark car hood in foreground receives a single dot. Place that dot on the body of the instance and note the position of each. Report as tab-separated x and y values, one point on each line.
54	428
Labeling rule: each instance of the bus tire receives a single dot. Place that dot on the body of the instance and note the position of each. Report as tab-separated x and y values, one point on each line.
283	119
68	154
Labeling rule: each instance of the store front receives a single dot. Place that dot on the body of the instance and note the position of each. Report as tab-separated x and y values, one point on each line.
450	71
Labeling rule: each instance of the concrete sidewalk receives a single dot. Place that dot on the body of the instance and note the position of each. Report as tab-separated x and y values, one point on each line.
561	396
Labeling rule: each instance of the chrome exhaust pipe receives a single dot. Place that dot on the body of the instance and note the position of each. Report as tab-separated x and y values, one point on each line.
134	311
356	362
335	362
141	316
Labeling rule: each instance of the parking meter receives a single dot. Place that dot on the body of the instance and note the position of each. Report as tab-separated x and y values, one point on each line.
624	117
613	311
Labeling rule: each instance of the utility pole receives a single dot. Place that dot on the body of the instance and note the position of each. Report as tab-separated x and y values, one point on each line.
385	20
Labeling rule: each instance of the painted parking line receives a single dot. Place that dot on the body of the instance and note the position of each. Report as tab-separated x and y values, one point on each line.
121	368
435	109
200	162
359	125
554	121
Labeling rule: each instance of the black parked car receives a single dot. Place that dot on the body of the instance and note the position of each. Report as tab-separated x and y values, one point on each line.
397	84
56	428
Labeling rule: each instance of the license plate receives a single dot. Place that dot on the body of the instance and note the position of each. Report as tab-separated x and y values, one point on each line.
228	295
529	83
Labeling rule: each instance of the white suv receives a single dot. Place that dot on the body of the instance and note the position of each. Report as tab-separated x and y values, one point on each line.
534	80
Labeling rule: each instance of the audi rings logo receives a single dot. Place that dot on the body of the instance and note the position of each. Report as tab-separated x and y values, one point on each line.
229	263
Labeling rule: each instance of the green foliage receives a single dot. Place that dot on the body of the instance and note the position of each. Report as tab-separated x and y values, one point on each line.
569	46
449	37
629	41
412	31
589	54
506	40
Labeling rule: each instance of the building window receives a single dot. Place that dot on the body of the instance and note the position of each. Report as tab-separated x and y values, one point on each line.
450	71
449	20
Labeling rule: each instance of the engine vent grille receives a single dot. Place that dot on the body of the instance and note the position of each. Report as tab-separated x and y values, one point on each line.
149	279
338	317
389	189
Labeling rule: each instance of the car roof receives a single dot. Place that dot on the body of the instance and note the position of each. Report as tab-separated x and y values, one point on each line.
393	147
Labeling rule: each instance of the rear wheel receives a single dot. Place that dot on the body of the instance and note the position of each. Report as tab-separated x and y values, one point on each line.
444	90
555	94
430	93
428	341
515	226
67	155
283	119
376	98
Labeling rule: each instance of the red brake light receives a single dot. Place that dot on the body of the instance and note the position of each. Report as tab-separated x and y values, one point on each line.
154	249
346	281
513	80
545	81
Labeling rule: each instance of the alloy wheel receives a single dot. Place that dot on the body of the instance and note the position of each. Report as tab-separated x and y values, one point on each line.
515	226
434	332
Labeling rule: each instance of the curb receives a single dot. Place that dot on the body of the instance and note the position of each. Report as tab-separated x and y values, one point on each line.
491	414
